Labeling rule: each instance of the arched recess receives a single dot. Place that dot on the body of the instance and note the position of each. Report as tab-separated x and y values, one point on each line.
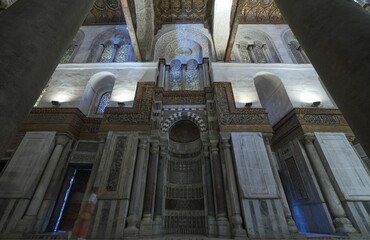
255	46
167	124
111	42
98	85
178	41
294	48
72	50
184	51
273	96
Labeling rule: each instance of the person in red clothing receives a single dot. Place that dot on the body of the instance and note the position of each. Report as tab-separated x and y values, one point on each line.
82	224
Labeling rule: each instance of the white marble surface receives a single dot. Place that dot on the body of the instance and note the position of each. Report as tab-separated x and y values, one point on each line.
300	81
344	165
252	165
68	83
23	172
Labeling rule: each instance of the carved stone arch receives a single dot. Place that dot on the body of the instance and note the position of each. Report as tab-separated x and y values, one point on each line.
251	35
293	47
98	84
180	34
167	124
183	50
115	35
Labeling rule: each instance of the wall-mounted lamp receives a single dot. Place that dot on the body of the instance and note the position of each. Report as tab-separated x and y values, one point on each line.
55	103
121	104
316	104
248	104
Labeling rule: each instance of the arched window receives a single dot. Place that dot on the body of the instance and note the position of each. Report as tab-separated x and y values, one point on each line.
295	50
254	46
68	54
252	53
191	75
108	53
73	48
104	102
175	77
123	53
298	52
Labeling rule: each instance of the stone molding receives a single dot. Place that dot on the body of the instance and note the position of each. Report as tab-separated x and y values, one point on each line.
303	121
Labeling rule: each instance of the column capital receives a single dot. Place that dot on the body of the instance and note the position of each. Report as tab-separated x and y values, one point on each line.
154	147
61	140
143	142
225	143
352	139
308	139
214	146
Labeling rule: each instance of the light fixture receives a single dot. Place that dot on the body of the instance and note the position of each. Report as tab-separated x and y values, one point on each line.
248	104
316	104
121	104
55	103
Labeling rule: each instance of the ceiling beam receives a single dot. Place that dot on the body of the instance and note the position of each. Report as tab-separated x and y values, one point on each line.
236	12
221	26
131	29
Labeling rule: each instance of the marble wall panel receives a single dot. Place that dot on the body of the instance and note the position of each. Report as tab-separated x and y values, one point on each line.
253	168
359	214
22	173
344	166
302	190
118	162
264	219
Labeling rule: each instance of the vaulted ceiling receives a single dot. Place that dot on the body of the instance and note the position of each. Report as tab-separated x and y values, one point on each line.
185	12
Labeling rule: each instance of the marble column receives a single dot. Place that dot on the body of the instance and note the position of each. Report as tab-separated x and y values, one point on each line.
134	210
34	36
218	184
341	223
28	220
275	170
149	196
159	190
335	36
237	230
212	227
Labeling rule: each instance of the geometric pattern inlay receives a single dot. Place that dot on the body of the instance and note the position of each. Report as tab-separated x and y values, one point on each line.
261	11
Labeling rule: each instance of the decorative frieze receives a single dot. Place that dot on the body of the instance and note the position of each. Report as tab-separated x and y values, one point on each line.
307	120
228	114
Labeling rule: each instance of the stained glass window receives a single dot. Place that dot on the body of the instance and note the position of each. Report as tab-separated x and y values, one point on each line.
108	53
68	55
104	102
244	53
175	75
191	75
123	53
298	52
259	54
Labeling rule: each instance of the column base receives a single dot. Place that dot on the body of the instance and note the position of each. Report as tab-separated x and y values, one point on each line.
212	226
292	227
131	230
146	226
157	225
223	227
343	225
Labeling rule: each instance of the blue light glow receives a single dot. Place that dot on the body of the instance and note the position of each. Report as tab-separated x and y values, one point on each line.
65	200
